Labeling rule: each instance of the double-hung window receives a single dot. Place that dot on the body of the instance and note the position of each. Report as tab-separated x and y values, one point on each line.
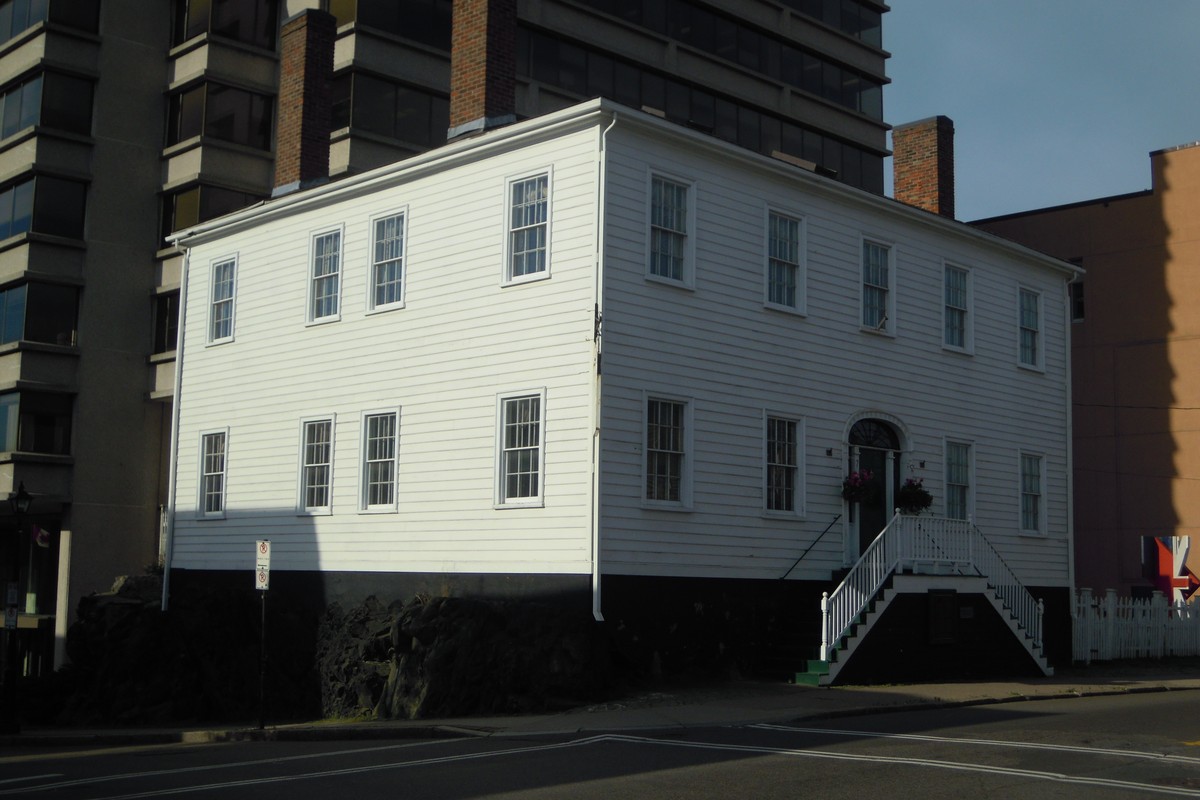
670	216
1032	511
325	287
1030	326
785	269
316	465
220	313
956	309
876	286
782	462
667	431
212	473
519	480
387	261
528	228
958	480
381	431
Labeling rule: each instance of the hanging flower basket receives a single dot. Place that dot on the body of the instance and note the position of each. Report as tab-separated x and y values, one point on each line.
913	498
857	486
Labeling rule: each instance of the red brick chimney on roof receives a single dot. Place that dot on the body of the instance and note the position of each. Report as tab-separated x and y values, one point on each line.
303	127
923	164
483	66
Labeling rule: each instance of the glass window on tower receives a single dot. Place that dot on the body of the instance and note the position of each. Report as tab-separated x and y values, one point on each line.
220	112
374	105
35	422
43	204
39	312
424	21
18	16
251	22
186	207
166	322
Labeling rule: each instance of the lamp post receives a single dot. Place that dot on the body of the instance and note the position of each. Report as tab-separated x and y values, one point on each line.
19	501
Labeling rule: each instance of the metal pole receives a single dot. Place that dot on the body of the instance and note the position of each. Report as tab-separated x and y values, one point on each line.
262	663
12	720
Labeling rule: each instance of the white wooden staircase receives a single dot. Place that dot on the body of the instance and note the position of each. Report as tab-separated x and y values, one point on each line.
914	555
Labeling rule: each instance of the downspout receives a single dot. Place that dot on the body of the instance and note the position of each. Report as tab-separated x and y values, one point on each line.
173	458
1070	448
597	320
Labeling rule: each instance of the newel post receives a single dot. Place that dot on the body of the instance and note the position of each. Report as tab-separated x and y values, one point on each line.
824	626
1037	630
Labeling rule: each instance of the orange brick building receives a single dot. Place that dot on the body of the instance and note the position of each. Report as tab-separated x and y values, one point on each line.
1136	374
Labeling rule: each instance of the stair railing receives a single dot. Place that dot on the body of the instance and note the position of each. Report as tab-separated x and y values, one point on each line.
840	608
911	542
810	547
989	564
937	542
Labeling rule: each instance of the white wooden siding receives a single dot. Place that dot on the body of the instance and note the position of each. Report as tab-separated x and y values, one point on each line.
721	347
461	338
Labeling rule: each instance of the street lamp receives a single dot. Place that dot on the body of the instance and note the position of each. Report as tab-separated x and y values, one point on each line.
19	501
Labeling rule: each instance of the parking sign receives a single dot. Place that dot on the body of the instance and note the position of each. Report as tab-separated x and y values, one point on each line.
262	564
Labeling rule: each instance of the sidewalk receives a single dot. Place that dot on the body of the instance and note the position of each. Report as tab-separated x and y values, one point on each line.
729	703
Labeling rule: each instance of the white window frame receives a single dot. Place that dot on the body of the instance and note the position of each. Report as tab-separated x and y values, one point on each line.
1040	494
687	278
302	506
365	461
887	326
684	501
1039	361
799	265
968	309
511	230
798	467
375	262
313	278
502	499
214	300
205	474
970	484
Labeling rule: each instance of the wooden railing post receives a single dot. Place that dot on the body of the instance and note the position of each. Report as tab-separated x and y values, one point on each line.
1037	633
824	626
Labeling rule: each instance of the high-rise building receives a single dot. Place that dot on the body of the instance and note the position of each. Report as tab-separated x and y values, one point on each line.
123	121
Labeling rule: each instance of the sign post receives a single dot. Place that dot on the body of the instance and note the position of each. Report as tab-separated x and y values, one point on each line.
262	582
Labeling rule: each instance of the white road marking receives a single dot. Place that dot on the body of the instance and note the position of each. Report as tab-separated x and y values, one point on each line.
31	778
206	767
1035	775
1055	777
986	742
353	770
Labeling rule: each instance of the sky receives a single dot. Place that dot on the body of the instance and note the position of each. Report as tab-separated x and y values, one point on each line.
1053	101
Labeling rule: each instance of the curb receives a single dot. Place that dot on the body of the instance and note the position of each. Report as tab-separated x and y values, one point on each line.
384	731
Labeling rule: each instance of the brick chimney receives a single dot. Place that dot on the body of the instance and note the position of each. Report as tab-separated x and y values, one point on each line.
923	164
483	66
303	126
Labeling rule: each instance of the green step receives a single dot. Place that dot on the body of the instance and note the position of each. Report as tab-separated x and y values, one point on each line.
814	670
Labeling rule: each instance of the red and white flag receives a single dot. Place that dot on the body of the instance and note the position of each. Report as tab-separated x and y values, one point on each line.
41	537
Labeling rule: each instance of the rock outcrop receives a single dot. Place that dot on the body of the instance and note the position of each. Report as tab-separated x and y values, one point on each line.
449	656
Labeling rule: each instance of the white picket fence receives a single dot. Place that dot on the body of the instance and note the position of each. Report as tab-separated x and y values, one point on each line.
1111	627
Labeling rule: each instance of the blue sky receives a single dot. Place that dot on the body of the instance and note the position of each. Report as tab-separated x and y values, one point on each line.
1053	101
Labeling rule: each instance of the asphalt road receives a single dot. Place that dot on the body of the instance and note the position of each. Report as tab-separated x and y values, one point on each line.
1133	746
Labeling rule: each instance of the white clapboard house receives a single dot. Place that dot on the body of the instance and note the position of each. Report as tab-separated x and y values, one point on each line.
597	357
